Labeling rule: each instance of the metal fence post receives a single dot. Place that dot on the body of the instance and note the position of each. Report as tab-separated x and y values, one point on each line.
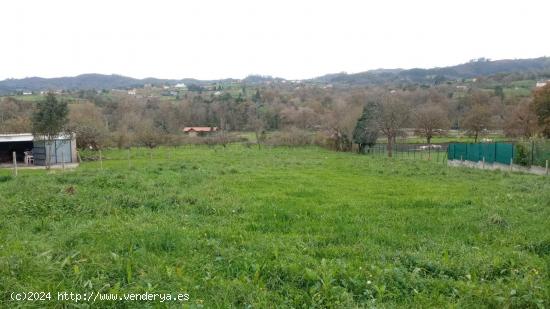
63	160
532	151
15	164
100	160
546	167
128	157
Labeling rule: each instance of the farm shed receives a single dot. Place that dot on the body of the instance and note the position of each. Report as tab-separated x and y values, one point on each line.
25	145
194	131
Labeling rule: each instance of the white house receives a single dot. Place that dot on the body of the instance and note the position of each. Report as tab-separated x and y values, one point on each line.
542	84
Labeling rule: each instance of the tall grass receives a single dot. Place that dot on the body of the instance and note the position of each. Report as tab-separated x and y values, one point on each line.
277	227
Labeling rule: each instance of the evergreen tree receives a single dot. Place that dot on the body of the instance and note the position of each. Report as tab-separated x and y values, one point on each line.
49	120
365	133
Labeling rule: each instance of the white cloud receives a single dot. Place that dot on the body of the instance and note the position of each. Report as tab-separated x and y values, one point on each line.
292	39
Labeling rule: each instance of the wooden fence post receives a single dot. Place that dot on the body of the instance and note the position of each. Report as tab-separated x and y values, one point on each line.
100	159
15	164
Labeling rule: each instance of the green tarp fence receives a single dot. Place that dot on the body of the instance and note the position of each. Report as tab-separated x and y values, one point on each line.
492	152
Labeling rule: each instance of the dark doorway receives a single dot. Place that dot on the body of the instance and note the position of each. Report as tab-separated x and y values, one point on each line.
7	149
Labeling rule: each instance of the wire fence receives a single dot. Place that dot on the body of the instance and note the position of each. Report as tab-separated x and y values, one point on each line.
431	152
532	153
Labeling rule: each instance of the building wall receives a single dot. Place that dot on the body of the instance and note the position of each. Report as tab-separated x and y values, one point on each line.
57	151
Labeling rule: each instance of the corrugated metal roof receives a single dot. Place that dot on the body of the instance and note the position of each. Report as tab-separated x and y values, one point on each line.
25	137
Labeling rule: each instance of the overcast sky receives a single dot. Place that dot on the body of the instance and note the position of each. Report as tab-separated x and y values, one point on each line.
210	39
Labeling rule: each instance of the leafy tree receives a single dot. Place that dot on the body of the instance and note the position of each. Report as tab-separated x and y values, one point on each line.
499	92
49	120
257	97
366	130
541	102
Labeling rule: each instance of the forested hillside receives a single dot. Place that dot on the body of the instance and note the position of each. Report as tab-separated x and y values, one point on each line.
517	69
297	112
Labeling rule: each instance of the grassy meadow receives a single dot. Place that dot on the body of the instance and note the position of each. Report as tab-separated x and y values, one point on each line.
276	228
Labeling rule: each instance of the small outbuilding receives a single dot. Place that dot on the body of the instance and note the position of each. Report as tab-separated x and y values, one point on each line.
194	131
35	151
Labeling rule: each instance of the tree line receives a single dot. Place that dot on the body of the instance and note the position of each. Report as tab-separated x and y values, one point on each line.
340	117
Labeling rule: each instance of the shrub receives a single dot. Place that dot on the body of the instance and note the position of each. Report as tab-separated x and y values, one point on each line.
521	156
5	178
290	137
219	138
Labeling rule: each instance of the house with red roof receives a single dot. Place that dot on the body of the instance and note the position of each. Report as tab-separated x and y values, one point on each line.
194	131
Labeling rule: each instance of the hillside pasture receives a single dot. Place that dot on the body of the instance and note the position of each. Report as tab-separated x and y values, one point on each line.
277	227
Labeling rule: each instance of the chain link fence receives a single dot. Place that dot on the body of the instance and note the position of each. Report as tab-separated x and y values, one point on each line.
432	152
532	153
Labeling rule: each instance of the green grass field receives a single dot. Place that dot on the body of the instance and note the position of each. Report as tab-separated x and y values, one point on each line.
276	228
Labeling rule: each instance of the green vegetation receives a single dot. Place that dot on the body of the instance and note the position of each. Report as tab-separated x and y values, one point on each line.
278	227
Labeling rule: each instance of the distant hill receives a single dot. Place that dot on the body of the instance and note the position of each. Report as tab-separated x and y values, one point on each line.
84	81
259	79
537	67
477	68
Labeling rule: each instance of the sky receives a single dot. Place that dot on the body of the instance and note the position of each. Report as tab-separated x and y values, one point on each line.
210	39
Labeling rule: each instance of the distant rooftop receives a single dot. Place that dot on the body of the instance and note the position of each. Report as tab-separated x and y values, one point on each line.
200	129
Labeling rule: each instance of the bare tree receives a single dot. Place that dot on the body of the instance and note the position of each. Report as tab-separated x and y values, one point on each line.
477	120
394	113
521	120
87	121
428	118
149	136
541	103
340	121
